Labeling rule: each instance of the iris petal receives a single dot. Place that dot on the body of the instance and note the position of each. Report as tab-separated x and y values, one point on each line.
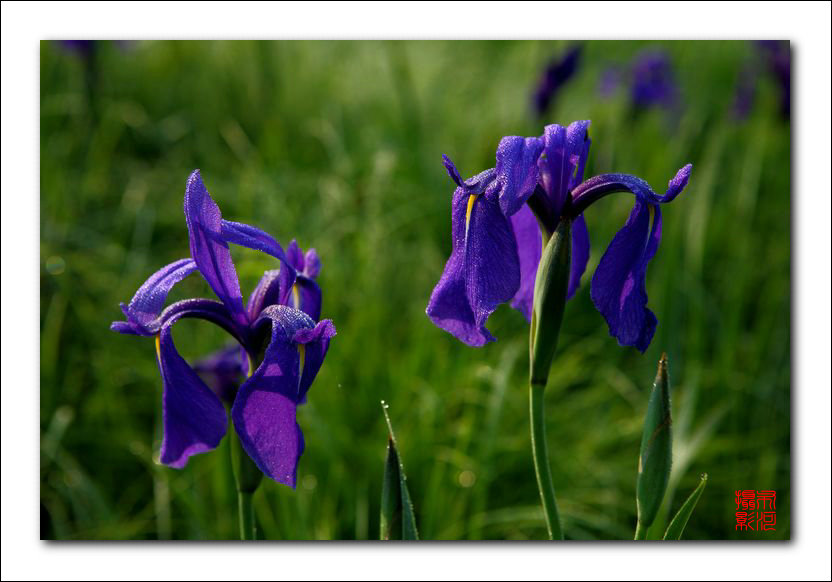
266	293
194	418
449	307
529	248
295	255
312	264
618	287
580	254
565	150
208	247
599	186
264	412
482	271
252	237
517	170
150	298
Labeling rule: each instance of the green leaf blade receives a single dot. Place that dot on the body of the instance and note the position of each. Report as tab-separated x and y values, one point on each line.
680	520
398	521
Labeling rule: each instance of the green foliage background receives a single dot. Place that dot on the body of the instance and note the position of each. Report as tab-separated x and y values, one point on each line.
339	144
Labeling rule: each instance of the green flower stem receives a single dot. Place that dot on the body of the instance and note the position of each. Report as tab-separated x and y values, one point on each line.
248	529
550	289
247	477
641	531
541	462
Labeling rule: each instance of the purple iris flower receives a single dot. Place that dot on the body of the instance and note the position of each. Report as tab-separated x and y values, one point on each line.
777	54
497	220
653	82
649	78
775	57
283	346
557	73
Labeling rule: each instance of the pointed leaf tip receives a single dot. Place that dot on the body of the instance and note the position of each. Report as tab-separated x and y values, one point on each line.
680	520
656	455
398	521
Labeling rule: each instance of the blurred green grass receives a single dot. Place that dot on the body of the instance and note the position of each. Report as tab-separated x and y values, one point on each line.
338	144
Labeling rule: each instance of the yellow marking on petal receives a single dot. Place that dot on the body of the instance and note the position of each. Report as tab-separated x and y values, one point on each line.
158	349
302	354
250	366
468	211
295	296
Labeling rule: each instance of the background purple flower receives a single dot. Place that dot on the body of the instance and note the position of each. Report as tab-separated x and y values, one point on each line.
653	82
554	77
649	80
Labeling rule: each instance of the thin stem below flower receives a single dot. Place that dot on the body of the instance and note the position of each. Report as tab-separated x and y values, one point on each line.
541	462
248	528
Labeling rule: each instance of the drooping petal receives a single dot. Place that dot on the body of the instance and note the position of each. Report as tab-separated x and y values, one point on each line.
492	266
618	287
529	248
580	254
449	307
315	342
252	237
148	301
194	418
517	170
264	412
595	188
677	184
565	150
209	248
482	272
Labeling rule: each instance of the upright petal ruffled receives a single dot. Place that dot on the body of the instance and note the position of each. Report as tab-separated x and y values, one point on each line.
529	248
517	170
194	418
565	150
148	301
209	248
618	287
295	255
264	412
311	264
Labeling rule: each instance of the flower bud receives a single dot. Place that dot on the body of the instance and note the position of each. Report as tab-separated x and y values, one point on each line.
656	453
550	289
